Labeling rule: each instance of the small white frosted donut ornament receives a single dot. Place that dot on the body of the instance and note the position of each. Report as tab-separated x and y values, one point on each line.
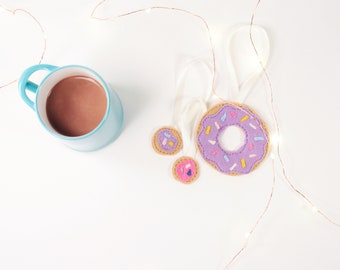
249	155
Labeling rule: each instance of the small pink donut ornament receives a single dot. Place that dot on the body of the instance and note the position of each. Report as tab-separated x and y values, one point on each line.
185	170
249	155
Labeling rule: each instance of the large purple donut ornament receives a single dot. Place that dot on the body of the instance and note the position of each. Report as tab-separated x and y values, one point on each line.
246	158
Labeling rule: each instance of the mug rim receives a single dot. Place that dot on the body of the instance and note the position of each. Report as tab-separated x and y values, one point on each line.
93	131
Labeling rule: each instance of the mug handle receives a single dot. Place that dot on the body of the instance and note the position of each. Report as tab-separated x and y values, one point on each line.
25	84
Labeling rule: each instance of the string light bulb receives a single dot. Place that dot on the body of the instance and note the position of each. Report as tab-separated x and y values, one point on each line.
275	140
315	209
247	235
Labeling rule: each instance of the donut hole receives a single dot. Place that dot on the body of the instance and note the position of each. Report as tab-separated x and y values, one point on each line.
232	138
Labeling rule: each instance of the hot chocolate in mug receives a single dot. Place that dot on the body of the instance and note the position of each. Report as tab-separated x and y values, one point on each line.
75	105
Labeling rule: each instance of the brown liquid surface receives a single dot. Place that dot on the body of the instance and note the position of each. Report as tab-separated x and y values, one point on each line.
76	105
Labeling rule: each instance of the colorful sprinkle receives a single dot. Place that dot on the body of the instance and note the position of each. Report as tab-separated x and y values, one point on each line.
166	134
251	146
165	140
226	158
233	167
258	139
214	152
224	116
171	143
217	125
252	126
212	142
233	114
252	155
243	163
207	131
244	118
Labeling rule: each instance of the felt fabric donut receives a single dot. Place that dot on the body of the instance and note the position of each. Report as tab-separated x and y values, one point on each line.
167	141
185	170
249	155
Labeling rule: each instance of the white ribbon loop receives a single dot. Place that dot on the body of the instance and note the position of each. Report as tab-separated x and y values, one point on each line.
244	65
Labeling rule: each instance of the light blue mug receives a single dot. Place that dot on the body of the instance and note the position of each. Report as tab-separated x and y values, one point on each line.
108	129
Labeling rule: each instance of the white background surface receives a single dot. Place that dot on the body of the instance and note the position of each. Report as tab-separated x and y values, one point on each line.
119	208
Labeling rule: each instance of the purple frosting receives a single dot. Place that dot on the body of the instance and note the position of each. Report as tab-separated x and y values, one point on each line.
167	140
244	159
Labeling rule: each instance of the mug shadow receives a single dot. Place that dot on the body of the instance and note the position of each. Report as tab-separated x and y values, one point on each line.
133	102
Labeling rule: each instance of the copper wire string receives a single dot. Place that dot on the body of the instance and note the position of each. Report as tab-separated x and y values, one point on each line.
8	84
15	11
277	128
277	147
